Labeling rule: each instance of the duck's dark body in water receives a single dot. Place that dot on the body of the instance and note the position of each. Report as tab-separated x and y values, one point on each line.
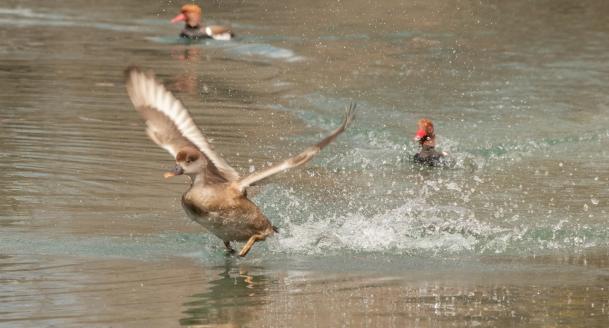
194	33
427	139
430	157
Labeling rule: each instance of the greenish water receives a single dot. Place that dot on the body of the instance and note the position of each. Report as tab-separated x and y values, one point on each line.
514	234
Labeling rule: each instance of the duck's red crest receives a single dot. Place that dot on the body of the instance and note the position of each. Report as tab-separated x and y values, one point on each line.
426	125
191	8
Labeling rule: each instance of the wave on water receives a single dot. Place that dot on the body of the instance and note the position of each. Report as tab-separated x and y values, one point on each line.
264	50
25	17
28	13
235	48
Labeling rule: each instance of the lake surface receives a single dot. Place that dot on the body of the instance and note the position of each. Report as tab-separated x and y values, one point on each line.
515	233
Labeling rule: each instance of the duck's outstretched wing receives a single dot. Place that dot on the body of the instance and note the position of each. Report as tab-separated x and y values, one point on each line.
169	124
301	158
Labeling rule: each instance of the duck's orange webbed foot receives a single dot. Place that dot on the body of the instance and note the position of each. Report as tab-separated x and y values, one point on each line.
250	243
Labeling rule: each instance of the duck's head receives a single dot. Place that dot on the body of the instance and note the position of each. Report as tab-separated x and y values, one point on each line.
189	161
190	13
425	130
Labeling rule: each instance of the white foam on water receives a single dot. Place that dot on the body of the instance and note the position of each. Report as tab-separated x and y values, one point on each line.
411	228
417	228
264	50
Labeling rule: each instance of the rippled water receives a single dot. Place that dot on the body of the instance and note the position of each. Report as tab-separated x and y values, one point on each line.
513	234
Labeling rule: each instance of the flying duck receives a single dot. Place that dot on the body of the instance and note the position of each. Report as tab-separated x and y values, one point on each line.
217	197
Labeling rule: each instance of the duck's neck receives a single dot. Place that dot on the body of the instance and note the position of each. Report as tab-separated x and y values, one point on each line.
202	179
193	23
196	179
193	27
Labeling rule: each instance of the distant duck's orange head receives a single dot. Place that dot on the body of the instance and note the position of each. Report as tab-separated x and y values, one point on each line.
425	131
190	13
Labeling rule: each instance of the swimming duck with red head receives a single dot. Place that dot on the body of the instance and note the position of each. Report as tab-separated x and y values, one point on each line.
426	138
191	15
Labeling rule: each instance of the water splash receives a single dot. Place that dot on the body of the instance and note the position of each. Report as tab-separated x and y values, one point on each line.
409	229
420	229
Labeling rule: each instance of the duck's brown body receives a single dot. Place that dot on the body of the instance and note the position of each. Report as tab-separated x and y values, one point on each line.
217	197
225	212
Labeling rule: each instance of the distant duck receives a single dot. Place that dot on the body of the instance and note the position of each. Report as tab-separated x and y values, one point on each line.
426	137
191	15
217	197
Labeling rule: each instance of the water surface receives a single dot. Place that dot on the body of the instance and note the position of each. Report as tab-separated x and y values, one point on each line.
514	234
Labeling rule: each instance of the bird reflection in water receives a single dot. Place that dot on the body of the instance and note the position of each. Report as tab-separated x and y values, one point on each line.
229	301
188	81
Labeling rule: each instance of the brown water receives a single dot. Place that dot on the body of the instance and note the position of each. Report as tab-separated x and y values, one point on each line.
514	234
